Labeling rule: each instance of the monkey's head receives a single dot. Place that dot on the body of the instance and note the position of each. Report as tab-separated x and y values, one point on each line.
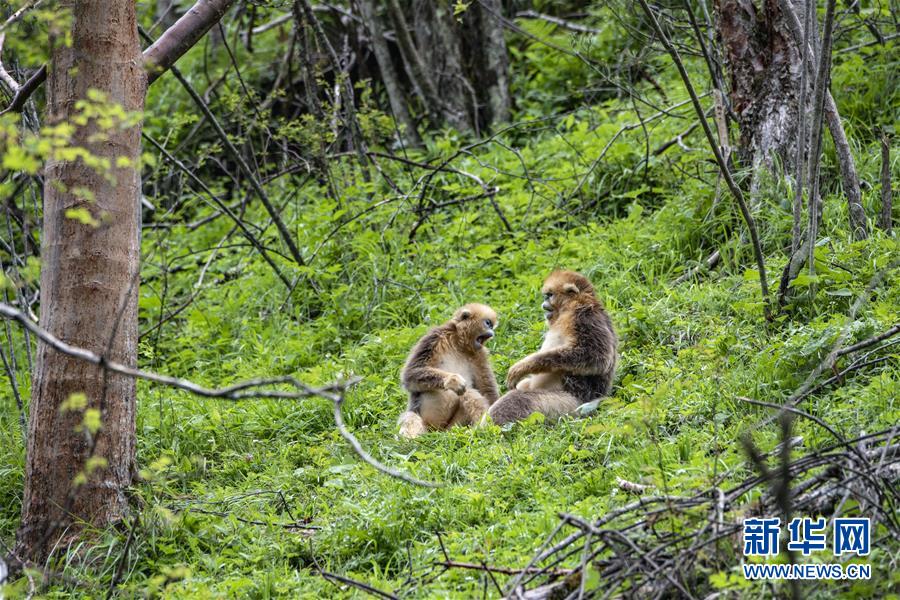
475	325
564	290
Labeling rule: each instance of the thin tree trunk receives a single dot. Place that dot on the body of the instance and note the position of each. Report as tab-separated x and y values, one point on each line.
496	60
166	13
823	81
446	61
850	180
849	177
388	74
307	68
802	118
885	222
415	66
88	286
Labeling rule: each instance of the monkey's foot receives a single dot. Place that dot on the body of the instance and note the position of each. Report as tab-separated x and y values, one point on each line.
411	425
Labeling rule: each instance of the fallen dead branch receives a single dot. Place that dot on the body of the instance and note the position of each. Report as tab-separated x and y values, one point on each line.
661	544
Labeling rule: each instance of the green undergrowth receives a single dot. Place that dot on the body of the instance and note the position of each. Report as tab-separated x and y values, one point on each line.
222	481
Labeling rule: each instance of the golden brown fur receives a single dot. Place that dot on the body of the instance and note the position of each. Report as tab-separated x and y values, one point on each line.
576	362
448	375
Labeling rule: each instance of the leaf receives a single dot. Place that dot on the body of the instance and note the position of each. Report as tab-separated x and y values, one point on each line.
91	420
804	280
75	401
82	215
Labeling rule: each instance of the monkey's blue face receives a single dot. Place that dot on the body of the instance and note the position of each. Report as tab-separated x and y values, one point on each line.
558	294
486	333
482	339
547	305
477	322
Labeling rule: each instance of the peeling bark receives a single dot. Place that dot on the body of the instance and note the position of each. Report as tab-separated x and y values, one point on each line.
764	67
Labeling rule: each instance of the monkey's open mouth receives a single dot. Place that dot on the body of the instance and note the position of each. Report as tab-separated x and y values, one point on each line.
482	339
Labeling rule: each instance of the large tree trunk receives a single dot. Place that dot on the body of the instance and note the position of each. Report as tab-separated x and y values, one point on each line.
764	66
76	474
89	286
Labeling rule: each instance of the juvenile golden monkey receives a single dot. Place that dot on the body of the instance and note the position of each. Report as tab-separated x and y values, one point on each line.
576	362
448	375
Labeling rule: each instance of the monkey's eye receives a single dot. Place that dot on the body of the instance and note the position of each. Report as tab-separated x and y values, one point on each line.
489	323
548	295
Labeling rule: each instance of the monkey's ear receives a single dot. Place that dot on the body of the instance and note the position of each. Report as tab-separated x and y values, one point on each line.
464	313
571	288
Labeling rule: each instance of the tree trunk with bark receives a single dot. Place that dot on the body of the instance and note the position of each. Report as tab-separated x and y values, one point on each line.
764	66
496	60
81	429
437	30
89	287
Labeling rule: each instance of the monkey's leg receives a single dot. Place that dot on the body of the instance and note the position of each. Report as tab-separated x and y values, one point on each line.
411	424
517	405
438	407
472	406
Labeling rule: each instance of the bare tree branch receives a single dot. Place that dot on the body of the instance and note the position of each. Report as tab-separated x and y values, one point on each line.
886	218
869	342
823	76
570	25
159	57
181	37
251	388
5	77
237	220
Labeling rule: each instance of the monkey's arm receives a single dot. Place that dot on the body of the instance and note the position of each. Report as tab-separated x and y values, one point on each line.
572	360
423	379
420	376
485	382
589	354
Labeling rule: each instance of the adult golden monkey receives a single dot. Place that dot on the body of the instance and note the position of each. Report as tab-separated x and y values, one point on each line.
576	362
448	375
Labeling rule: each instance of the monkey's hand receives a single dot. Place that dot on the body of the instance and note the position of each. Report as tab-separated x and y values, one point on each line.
516	373
525	384
455	383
